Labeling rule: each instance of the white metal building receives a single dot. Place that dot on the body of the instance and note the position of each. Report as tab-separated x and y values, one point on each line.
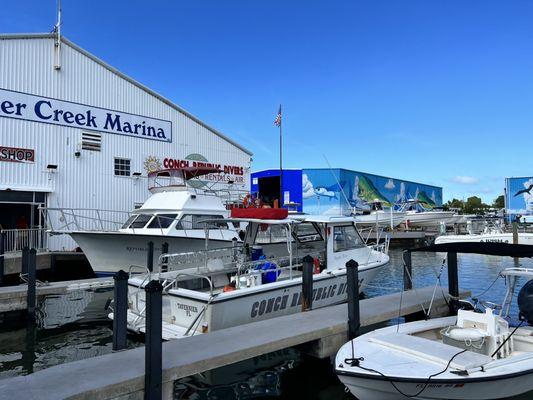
75	132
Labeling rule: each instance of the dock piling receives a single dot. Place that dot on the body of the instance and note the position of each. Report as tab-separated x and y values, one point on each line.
150	256
120	310
307	283
407	270
2	251
354	316
31	295
164	261
24	260
453	281
153	377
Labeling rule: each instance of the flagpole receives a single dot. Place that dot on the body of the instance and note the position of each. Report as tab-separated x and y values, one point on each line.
280	161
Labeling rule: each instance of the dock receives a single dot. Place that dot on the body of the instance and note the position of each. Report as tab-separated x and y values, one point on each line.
14	298
121	374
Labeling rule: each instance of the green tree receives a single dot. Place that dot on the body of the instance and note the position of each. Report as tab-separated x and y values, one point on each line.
499	202
474	205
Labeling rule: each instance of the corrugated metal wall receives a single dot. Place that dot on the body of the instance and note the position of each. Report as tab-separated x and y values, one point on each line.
88	181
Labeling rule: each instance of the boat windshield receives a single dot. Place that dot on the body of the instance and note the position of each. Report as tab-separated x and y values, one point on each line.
141	221
129	221
307	232
271	234
162	221
195	221
346	238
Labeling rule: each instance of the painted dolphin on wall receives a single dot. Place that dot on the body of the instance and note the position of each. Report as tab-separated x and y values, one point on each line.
329	191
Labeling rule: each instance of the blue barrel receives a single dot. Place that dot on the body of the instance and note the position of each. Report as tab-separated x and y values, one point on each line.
256	253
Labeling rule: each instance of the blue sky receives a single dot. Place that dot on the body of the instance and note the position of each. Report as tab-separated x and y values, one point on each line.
439	92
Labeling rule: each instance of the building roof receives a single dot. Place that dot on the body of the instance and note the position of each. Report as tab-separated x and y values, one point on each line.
123	76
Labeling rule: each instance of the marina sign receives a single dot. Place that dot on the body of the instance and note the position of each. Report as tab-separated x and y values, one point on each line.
28	107
16	154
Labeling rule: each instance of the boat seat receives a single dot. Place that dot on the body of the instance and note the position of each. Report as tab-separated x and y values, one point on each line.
431	350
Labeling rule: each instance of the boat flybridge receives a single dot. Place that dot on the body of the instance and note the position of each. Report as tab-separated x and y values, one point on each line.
479	354
170	215
257	279
418	216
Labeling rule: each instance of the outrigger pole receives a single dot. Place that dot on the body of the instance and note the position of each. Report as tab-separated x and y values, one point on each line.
277	122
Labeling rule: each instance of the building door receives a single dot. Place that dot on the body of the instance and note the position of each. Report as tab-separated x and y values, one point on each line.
19	213
269	189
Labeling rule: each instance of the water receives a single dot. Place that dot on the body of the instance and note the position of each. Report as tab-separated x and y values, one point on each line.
282	375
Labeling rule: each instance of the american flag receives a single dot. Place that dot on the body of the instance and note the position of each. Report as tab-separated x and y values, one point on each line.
277	121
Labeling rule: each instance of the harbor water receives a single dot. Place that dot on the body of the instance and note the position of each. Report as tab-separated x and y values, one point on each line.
286	374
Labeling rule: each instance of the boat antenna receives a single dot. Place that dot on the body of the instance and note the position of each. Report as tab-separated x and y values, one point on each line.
57	31
336	180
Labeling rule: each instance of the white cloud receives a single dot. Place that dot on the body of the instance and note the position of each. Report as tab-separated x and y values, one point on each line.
307	187
390	185
465	180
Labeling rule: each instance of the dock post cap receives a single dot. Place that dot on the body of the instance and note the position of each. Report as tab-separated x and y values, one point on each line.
352	264
121	275
153	286
308	259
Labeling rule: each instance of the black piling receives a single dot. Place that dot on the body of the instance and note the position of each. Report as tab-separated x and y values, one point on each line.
164	261
153	341
120	310
2	251
31	294
150	256
407	270
24	260
307	283
354	317
453	281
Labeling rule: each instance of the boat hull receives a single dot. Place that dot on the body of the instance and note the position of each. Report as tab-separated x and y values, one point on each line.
523	238
383	219
185	308
428	218
108	252
370	389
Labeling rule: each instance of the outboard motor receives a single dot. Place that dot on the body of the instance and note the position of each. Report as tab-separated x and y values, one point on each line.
525	302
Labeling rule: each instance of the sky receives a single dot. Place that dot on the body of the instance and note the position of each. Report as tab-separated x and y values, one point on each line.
439	92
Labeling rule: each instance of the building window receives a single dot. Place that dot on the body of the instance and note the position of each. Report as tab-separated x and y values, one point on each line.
122	167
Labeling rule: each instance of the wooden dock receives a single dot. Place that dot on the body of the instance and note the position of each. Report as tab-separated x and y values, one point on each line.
121	374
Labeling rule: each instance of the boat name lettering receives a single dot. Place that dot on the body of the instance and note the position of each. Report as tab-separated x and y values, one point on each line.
188	309
279	303
494	241
29	107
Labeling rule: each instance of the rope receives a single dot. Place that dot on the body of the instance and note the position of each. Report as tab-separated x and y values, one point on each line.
356	362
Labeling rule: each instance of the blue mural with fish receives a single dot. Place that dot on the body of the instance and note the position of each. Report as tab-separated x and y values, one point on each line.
519	195
338	191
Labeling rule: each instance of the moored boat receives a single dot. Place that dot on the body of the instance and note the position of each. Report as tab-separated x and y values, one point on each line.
259	279
474	355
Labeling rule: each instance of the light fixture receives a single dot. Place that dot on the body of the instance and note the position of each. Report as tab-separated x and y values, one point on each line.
77	154
51	167
137	174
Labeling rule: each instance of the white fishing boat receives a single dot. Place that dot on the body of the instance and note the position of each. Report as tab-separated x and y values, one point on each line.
492	233
416	216
260	279
474	355
170	215
377	215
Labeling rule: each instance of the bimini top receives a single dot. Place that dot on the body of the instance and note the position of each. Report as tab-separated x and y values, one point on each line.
488	248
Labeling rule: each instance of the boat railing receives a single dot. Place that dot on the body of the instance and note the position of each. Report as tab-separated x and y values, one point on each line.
67	219
17	239
199	258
